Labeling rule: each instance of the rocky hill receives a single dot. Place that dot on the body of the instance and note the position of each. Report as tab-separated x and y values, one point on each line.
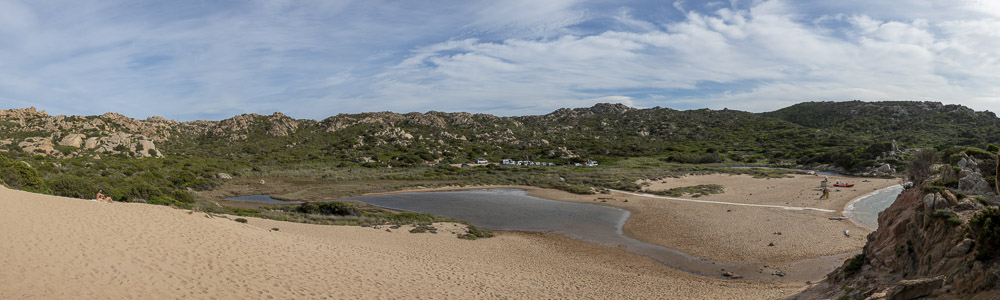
909	123
847	136
34	132
933	242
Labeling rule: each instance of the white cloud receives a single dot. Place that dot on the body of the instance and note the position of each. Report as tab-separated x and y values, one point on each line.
318	58
770	56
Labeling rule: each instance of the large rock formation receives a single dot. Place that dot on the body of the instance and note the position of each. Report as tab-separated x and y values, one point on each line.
72	140
922	248
38	145
77	136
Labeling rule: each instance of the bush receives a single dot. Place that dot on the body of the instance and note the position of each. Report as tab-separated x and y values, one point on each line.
20	175
985	229
855	265
167	200
134	189
474	232
424	227
695	158
949	216
72	186
979	153
918	168
182	196
241	220
928	189
695	190
335	208
411	217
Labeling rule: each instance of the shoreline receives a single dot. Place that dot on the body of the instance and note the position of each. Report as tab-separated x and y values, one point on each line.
699	229
629	220
58	247
850	206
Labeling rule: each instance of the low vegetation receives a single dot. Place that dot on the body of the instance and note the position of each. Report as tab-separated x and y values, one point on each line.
948	216
350	155
424	227
984	227
694	191
475	233
854	266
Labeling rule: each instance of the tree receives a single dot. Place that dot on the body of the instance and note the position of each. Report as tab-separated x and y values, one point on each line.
919	167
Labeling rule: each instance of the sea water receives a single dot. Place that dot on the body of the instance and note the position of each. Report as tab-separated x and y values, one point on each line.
864	210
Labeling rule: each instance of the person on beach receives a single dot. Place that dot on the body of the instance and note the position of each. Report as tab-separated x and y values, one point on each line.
101	197
826	193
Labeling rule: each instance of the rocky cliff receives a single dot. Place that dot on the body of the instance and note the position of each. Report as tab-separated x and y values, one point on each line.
933	242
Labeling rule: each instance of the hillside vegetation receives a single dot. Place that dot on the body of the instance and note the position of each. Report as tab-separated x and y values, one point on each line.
162	161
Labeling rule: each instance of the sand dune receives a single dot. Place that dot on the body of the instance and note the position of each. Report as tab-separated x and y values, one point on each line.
54	247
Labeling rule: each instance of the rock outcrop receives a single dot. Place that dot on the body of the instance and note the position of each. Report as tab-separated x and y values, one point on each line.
922	248
72	140
38	145
78	136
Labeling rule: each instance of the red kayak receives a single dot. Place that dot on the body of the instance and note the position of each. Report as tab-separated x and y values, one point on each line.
843	184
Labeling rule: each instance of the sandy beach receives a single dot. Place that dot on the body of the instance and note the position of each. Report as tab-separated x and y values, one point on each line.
54	247
734	233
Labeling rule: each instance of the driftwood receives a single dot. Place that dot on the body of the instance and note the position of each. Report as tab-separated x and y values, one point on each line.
838	218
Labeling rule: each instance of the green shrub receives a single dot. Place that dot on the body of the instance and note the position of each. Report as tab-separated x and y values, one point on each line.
928	189
855	265
423	227
334	208
984	227
20	175
411	217
182	196
474	232
979	153
241	220
695	158
695	190
578	189
247	212
949	216
72	186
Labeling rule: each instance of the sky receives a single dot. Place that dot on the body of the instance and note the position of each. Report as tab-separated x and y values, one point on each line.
194	59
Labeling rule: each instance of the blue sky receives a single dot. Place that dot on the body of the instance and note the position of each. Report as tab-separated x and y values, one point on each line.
190	60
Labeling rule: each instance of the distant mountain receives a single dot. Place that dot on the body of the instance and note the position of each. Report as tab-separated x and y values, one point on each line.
852	135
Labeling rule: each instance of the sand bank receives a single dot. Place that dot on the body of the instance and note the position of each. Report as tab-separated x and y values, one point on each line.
742	233
54	247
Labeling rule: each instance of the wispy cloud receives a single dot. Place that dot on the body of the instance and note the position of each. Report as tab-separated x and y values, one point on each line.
195	59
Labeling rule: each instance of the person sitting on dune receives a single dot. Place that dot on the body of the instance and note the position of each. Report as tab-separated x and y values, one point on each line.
102	198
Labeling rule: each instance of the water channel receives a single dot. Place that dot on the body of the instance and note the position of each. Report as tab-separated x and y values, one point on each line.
515	210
